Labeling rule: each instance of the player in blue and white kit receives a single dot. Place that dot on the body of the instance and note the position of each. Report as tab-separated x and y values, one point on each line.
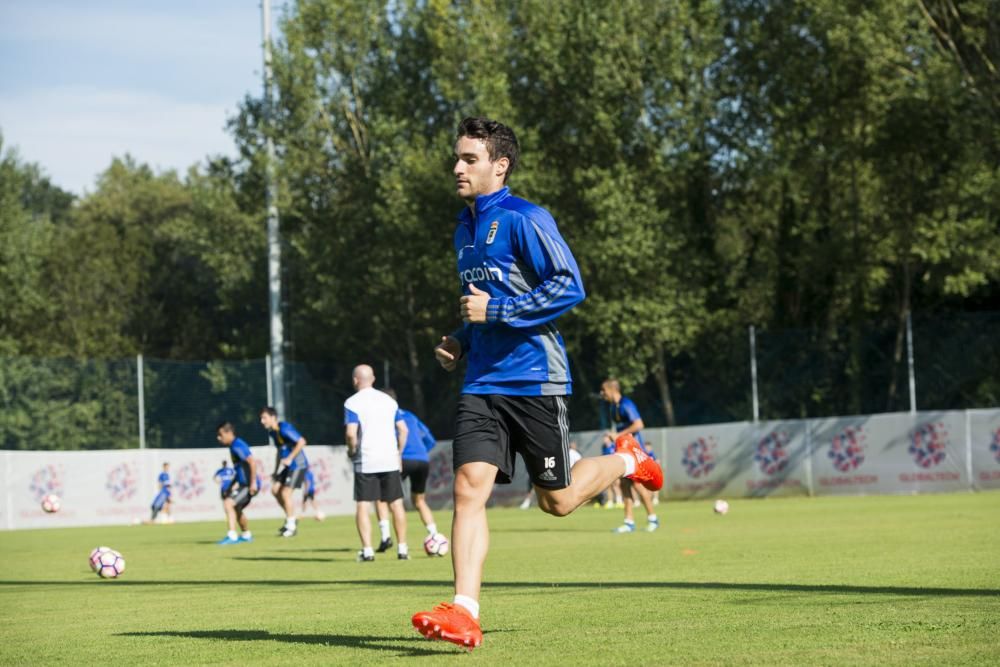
625	418
290	465
161	503
517	276
416	468
244	486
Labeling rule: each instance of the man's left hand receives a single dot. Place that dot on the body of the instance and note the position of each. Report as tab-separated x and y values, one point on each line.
473	306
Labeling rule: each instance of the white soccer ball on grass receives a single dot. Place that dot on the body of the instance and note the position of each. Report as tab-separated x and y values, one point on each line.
436	545
721	506
107	563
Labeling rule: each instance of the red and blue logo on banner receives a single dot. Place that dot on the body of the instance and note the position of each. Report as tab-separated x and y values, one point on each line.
772	453
847	449
995	445
927	444
189	482
121	483
699	457
46	480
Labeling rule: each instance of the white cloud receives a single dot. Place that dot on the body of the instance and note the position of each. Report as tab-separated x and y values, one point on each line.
73	132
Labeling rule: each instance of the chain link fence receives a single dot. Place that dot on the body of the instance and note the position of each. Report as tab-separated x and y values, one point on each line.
62	404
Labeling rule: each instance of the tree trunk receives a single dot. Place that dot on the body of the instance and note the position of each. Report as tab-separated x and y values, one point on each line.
897	351
413	357
660	374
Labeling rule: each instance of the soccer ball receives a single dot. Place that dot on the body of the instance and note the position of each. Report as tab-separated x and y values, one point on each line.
320	515
95	557
51	503
110	564
436	545
721	506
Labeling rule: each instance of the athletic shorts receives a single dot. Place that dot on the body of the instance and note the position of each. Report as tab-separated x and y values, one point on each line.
372	486
291	478
417	472
240	495
309	495
493	428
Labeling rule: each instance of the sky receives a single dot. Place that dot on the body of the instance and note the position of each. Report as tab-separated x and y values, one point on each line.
82	82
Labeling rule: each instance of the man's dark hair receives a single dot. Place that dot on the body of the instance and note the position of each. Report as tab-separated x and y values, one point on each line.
227	427
269	411
499	139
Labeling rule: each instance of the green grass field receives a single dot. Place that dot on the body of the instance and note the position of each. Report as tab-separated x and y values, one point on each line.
833	581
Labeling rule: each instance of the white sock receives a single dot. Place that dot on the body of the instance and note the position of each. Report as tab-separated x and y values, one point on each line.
629	464
432	528
402	548
247	534
469	604
232	535
383	529
290	522
368	551
629	522
652	518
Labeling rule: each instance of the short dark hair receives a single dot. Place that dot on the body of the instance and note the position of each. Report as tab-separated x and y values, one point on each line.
269	411
227	427
499	139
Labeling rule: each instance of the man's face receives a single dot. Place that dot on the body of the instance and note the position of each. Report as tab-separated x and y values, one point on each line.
608	394
225	438
267	421
474	173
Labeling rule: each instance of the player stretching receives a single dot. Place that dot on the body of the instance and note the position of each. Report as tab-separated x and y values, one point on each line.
416	468
376	435
245	484
290	465
162	503
625	418
518	276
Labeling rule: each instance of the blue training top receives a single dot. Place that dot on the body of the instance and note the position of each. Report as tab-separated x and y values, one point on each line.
284	439
164	481
226	475
419	440
623	414
512	249
310	482
240	453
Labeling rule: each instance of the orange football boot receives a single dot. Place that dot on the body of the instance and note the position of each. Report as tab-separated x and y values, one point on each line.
647	471
450	622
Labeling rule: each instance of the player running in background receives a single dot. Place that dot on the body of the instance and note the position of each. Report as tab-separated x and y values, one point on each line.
162	502
518	276
376	436
290	465
309	495
611	497
416	468
246	482
625	418
224	476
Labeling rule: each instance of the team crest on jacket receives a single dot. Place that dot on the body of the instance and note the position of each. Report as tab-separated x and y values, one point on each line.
493	232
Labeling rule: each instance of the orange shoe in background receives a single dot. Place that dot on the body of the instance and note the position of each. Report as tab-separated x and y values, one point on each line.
450	622
647	471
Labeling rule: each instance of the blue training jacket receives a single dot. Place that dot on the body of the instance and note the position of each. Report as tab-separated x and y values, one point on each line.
512	249
419	439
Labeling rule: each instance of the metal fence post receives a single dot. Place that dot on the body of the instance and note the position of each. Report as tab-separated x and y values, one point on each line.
269	380
753	372
142	401
909	363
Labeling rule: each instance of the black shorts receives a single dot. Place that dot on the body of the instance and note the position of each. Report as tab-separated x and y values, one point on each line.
417	472
493	428
372	486
291	478
240	496
309	495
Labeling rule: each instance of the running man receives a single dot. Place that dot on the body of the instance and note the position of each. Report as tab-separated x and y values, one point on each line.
517	276
244	486
625	418
290	465
309	495
162	502
376	435
416	468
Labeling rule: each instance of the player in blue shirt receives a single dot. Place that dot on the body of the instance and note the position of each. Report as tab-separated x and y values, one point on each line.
416	468
244	486
625	418
224	476
161	503
309	495
290	465
517	277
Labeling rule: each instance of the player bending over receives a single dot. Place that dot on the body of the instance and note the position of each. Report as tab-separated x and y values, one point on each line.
162	503
290	465
244	486
517	275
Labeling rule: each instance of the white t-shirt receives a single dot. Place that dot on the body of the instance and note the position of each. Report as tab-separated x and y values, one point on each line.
376	414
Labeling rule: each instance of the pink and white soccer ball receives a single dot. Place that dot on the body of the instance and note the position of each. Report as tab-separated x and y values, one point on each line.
721	506
436	545
51	503
108	564
95	556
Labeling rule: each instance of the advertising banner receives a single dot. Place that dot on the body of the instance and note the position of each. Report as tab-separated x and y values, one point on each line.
984	446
